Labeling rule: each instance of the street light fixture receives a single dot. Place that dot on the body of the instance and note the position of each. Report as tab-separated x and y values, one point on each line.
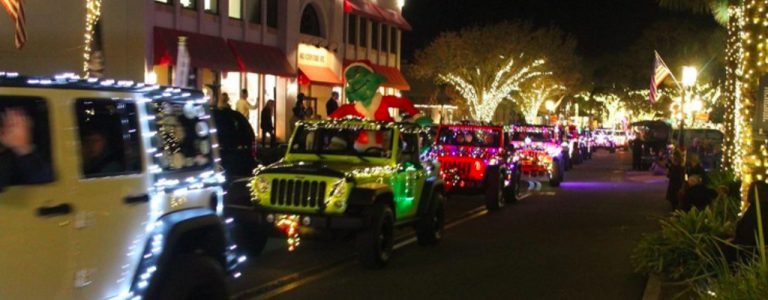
550	105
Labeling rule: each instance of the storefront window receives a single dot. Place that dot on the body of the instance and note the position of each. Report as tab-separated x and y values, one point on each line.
254	7
384	37
375	35
211	6
230	84
256	97
363	32
351	29
235	9
272	13
187	3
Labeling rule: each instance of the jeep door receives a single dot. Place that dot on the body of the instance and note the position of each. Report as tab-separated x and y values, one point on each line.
112	201
35	215
410	177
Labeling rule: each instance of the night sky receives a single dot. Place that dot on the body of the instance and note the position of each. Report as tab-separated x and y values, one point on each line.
601	26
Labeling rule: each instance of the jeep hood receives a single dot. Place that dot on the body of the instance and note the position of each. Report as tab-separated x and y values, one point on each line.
318	168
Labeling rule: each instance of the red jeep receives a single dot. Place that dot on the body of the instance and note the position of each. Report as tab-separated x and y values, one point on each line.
539	151
474	158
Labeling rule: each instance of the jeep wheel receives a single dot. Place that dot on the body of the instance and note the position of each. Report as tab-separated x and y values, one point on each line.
192	277
556	174
512	191
429	229
251	237
374	244
494	190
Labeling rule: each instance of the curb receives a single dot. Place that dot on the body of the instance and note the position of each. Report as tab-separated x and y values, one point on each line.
652	288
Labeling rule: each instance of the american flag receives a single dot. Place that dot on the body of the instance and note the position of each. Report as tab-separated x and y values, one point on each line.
16	10
660	72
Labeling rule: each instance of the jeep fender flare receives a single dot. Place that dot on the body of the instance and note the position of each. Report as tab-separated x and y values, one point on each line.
368	196
431	186
170	237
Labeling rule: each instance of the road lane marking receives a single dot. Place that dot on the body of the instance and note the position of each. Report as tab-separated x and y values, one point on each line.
298	279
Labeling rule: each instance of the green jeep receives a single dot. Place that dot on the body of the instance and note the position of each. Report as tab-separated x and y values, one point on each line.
355	175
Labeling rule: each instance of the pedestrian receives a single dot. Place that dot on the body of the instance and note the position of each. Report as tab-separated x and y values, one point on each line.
267	126
676	175
243	106
299	111
224	102
332	104
637	154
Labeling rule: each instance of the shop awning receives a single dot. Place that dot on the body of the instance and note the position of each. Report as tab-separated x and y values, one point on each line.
395	78
395	19
204	51
318	75
370	10
363	8
261	59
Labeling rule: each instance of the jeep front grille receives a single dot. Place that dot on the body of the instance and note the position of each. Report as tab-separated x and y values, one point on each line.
462	167
297	193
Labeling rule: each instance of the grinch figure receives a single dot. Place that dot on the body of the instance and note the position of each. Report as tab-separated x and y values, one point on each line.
366	103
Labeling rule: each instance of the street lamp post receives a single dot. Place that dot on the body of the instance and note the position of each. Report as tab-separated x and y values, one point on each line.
689	79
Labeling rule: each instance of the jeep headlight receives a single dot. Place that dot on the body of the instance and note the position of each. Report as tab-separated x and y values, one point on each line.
262	185
338	188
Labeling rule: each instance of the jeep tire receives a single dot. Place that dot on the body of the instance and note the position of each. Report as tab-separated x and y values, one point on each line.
192	277
375	243
512	192
556	175
251	237
494	189
430	227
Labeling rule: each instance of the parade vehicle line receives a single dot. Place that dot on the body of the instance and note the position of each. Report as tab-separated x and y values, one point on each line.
298	279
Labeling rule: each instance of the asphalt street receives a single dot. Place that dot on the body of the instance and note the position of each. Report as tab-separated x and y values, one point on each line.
571	242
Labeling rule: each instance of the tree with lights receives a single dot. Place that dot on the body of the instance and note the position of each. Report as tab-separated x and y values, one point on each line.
537	92
486	64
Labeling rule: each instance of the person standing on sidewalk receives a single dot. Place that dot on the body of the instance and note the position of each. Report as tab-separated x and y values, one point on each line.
332	104
267	127
676	175
243	106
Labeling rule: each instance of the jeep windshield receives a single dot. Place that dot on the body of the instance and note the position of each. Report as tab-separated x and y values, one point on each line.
534	134
360	141
470	136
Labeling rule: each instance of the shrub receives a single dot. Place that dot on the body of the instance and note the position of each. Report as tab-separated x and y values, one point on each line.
685	247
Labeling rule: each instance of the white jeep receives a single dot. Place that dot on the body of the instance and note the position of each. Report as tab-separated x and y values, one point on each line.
114	193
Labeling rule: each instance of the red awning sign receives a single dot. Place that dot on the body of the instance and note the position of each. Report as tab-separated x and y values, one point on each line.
261	59
205	51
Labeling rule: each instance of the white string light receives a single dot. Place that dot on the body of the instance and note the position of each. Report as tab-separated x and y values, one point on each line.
92	15
483	99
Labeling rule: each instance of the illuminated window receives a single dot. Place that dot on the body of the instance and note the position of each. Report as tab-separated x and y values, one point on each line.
375	35
187	3
363	32
211	6
254	6
235	9
162	1
272	13
351	29
310	22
